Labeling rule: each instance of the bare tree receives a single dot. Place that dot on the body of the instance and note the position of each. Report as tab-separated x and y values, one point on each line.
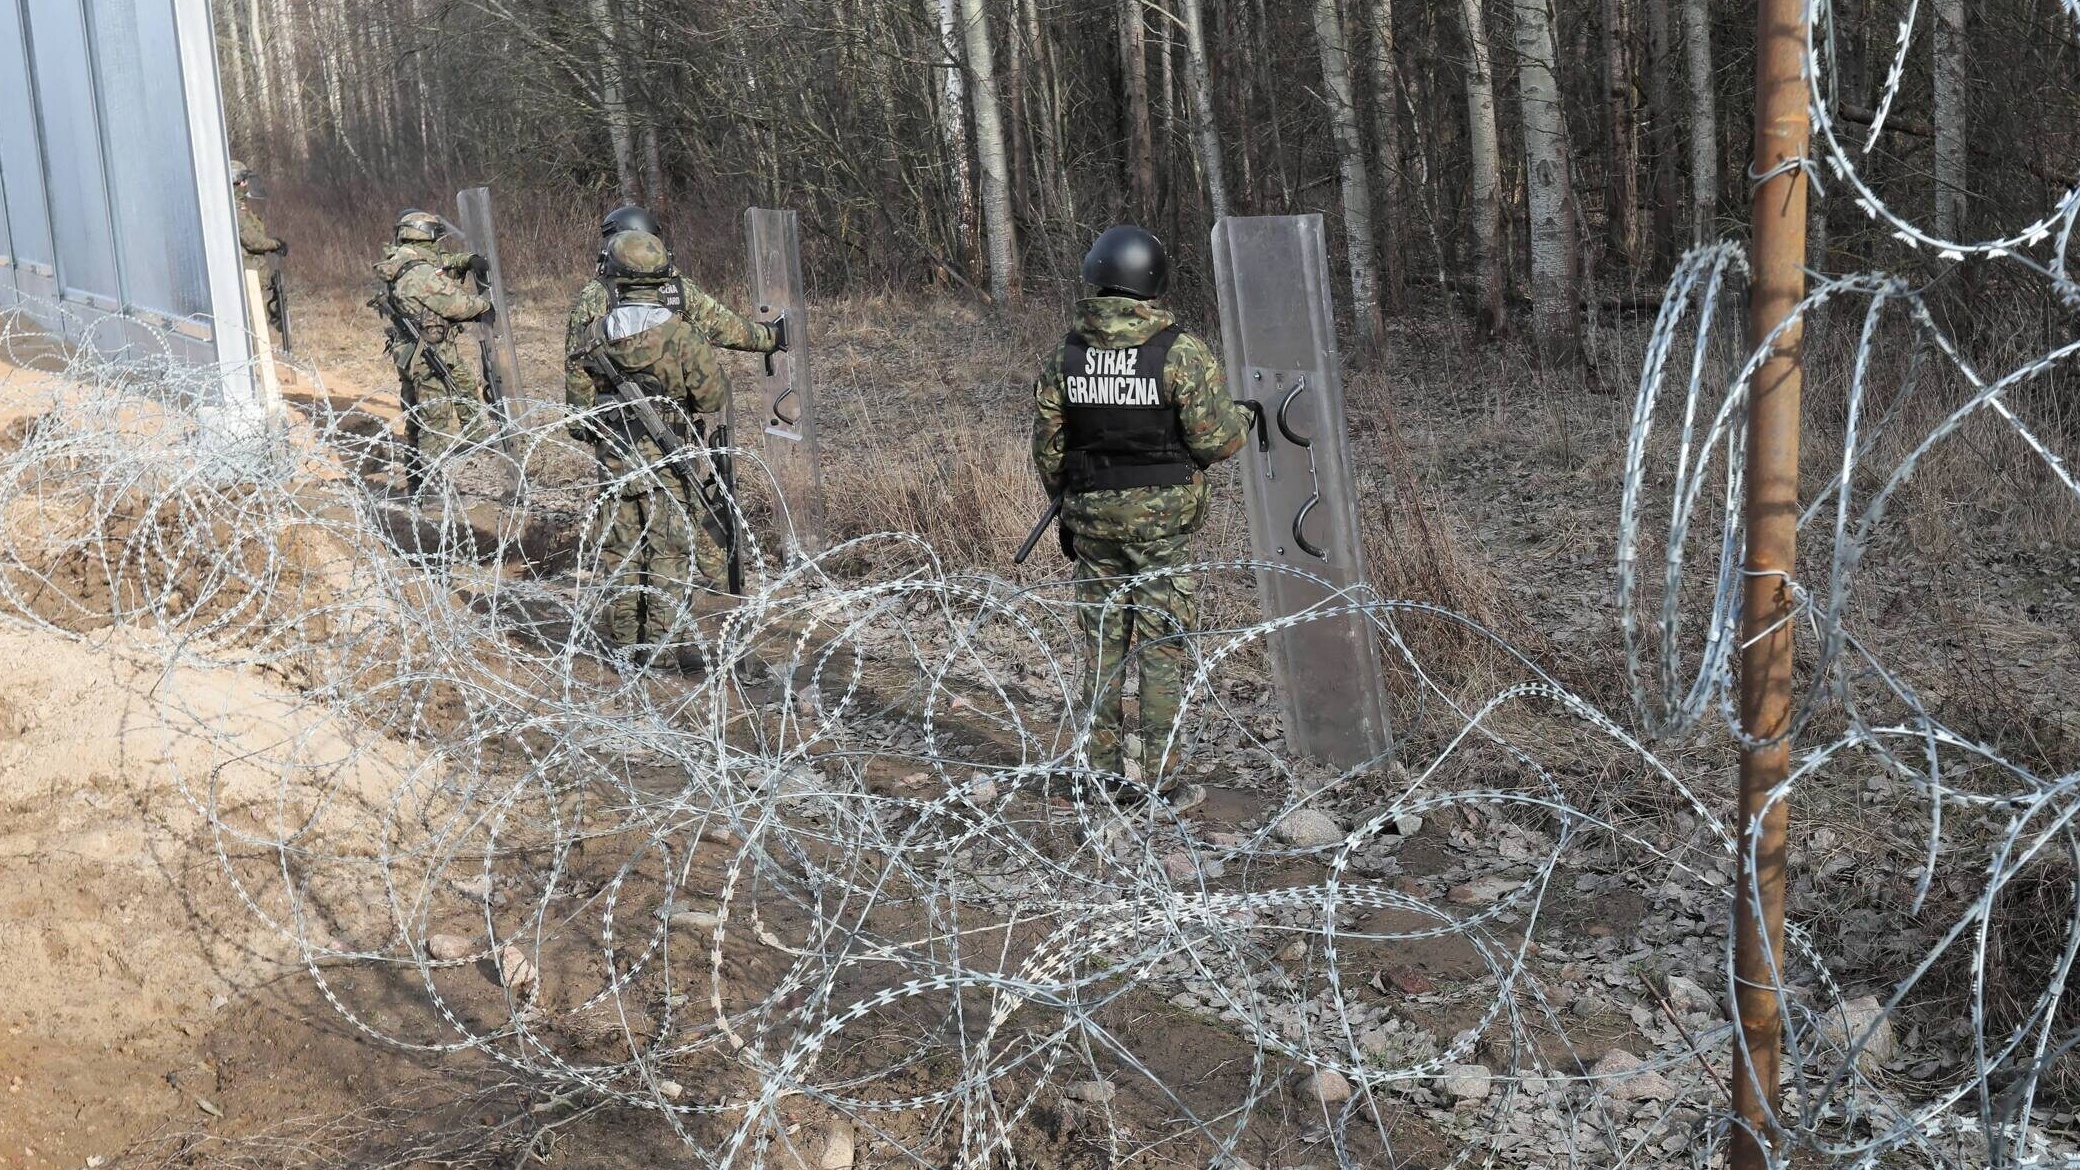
1054	177
1555	295
1949	119
1704	123
1661	133
1350	158
989	143
953	132
1484	144
614	99
1141	150
1386	117
1621	161
1206	132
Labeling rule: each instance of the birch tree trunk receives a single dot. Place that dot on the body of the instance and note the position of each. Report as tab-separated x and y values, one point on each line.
1016	125
1555	297
1661	135
989	149
289	110
1204	130
1704	123
240	112
615	100
263	81
1621	147
1350	160
1141	154
953	129
1949	118
1486	194
1386	115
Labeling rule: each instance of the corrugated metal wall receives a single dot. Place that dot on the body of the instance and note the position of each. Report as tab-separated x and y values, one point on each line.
102	220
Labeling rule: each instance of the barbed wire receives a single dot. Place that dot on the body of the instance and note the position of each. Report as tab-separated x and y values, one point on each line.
850	882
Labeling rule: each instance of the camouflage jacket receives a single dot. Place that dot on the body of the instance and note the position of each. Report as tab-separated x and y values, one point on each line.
658	350
422	276
713	323
252	234
1214	427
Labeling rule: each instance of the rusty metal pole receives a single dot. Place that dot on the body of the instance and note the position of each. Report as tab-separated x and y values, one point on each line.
1782	132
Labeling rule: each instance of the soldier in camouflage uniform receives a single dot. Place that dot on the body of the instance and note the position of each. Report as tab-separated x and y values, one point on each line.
1132	410
654	521
252	234
262	251
428	282
711	322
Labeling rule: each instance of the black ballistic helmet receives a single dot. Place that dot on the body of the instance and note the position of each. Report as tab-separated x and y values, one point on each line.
629	219
1130	261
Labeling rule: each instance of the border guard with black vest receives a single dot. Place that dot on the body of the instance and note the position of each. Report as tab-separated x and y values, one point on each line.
443	396
643	343
1132	411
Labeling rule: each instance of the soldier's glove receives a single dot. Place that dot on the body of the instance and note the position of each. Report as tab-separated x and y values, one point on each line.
282	246
1257	423
479	266
779	327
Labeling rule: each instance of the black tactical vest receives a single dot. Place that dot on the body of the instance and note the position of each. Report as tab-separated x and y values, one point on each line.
671	294
1121	421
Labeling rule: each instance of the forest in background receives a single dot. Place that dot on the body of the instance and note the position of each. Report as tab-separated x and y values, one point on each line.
1518	158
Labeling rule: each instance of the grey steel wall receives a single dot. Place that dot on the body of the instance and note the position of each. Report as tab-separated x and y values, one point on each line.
116	222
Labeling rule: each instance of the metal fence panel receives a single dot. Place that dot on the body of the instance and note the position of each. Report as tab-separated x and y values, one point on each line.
1278	331
21	163
773	240
64	72
115	191
501	359
151	173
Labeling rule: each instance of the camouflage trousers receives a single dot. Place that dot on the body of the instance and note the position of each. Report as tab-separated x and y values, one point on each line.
645	550
1141	618
437	419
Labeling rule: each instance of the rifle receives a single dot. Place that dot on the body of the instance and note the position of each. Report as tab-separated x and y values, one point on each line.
406	327
278	301
495	395
402	321
635	402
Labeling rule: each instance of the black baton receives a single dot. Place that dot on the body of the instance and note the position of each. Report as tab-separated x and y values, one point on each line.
1054	510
